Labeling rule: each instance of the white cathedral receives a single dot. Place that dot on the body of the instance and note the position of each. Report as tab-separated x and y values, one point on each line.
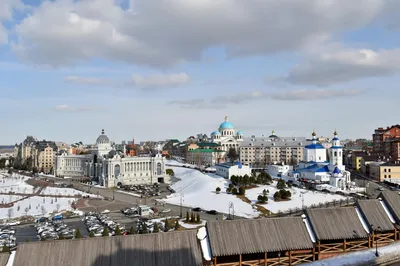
111	167
316	167
227	136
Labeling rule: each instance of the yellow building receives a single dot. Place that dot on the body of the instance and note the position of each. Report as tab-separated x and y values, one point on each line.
385	171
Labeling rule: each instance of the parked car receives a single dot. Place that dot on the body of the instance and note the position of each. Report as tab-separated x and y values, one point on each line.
197	209
213	212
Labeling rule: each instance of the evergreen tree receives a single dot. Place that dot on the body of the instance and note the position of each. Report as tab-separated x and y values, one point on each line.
192	218
277	196
105	232
198	218
156	229
144	229
61	237
176	225
5	248
132	231
218	190
118	231
234	191
166	225
91	234
27	239
42	239
78	233
187	217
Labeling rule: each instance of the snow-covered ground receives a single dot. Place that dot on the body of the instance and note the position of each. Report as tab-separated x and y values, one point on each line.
190	226
366	257
198	190
63	191
4	199
36	203
16	183
310	198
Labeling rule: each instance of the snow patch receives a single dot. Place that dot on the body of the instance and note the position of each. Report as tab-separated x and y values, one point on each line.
387	211
205	245
310	231
364	223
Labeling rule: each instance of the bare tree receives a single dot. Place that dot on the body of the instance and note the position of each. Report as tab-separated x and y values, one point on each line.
43	210
58	207
26	211
10	213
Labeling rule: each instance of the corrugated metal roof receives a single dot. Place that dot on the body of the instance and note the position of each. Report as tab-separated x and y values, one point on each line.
258	236
336	223
162	249
4	258
392	199
375	215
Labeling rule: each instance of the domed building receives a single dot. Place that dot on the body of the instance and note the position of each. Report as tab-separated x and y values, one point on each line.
111	167
227	136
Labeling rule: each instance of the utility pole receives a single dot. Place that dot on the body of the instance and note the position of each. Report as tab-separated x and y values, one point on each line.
181	204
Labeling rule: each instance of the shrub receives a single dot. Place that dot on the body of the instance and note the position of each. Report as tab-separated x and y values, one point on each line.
5	248
231	186
198	220
187	217
105	232
156	229
61	237
177	225
217	190
192	218
78	233
118	231
166	225
262	199
277	196
229	190
281	184
234	191
91	234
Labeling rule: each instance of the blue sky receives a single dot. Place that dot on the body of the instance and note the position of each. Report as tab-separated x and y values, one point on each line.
155	69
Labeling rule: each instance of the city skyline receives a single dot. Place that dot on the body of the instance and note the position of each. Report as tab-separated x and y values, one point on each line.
109	64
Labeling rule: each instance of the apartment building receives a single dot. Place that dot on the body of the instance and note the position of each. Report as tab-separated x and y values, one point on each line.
386	171
46	152
386	142
259	151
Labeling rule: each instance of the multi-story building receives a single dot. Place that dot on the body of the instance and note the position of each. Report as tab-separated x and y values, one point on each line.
386	171
382	141
111	167
226	170
205	156
45	154
227	136
33	153
365	162
175	148
259	151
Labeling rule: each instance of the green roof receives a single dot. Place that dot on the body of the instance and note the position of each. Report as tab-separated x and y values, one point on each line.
205	150
174	140
208	144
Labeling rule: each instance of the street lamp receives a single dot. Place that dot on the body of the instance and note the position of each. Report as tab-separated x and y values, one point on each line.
376	239
231	207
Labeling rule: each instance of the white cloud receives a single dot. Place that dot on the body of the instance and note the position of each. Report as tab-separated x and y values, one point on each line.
162	33
68	108
87	80
249	97
6	14
344	65
160	80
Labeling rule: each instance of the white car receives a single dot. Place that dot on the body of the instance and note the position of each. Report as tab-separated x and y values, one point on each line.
14	223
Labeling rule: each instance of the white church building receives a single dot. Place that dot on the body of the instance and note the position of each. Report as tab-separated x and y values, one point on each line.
316	167
110	167
227	136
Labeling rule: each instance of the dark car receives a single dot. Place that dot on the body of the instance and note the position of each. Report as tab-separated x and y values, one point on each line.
213	212
197	209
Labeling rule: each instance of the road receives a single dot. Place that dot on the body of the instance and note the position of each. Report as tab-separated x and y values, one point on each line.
134	200
373	188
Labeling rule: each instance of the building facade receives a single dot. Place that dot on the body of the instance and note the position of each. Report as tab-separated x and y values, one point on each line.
111	167
205	156
386	171
226	170
227	136
386	141
261	151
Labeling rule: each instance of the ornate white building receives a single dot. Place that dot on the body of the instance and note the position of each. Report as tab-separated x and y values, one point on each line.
315	166
227	136
110	167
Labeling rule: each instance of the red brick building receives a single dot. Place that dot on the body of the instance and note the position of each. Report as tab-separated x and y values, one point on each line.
387	142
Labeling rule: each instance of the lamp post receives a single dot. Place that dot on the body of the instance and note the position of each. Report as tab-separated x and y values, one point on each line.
376	239
181	204
279	258
231	207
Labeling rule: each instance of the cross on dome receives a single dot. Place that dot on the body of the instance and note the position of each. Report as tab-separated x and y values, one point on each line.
313	133
226	118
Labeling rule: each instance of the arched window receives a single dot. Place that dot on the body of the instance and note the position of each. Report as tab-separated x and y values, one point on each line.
117	170
159	169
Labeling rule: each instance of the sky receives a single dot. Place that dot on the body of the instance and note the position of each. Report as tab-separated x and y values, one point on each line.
160	69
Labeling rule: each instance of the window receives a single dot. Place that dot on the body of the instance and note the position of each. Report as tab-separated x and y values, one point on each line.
384	170
389	170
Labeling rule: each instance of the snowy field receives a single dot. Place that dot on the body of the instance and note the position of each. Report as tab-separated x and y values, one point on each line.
63	191
4	199
310	198
33	206
199	191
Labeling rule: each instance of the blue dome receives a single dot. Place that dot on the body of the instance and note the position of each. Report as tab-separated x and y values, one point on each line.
240	133
226	125
335	138
215	133
336	170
